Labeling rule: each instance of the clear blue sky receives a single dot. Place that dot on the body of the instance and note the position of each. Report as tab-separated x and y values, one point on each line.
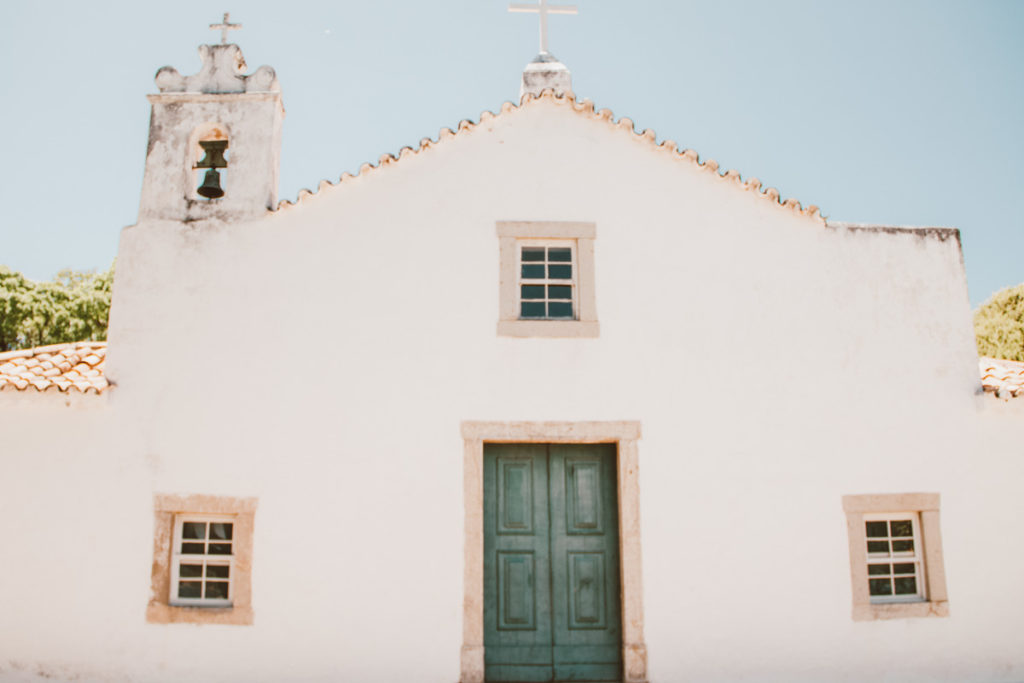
906	112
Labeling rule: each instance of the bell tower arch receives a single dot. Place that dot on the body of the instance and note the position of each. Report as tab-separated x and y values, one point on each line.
214	140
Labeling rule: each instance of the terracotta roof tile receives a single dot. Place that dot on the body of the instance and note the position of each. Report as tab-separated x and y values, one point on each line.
62	367
1004	378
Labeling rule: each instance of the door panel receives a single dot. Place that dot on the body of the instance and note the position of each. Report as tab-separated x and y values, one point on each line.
551	563
586	626
517	590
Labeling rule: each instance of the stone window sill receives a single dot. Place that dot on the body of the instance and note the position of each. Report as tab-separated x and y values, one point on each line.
159	613
567	329
901	610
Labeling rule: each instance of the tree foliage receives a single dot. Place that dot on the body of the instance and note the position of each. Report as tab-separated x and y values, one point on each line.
74	306
999	325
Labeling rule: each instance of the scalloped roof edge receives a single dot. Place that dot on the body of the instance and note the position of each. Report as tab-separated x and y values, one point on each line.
586	108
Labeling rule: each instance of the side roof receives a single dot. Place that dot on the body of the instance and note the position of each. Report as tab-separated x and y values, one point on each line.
74	367
1004	378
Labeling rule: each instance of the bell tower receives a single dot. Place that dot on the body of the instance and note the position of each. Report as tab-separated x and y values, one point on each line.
214	139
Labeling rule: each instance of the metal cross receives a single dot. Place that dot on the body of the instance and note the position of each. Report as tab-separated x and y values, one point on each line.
224	28
543	9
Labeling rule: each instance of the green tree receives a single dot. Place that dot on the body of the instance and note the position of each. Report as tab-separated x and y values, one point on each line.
999	325
73	307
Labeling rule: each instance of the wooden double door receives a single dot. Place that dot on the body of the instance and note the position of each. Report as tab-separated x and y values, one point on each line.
551	563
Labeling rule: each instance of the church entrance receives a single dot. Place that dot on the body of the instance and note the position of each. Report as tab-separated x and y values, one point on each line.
551	563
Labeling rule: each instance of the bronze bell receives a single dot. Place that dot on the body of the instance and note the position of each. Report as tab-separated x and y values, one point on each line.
211	185
213	156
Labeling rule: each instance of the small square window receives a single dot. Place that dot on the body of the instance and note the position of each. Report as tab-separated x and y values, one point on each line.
896	556
202	560
547	279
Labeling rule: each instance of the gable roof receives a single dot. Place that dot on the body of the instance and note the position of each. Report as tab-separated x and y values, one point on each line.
583	108
77	366
1004	378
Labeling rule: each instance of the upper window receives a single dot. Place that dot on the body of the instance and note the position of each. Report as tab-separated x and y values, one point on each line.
547	279
203	555
547	282
896	556
202	560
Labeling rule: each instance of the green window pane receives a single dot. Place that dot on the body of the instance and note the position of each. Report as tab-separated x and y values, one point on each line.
190	589
560	272
533	254
559	292
193	530
531	309
878	569
905	585
220	531
904	568
560	309
876	529
193	548
532	291
220	549
880	586
560	254
188	571
533	271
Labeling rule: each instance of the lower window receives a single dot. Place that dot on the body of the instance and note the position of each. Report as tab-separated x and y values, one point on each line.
896	556
895	562
202	560
202	567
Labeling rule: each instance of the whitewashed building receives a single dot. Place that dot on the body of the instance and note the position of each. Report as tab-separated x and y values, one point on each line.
541	399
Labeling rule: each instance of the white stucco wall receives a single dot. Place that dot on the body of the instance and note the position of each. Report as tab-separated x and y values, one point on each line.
323	358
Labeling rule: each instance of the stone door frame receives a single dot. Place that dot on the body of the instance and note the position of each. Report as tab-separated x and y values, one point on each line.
625	435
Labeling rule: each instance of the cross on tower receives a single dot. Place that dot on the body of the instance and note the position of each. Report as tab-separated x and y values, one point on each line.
224	27
543	9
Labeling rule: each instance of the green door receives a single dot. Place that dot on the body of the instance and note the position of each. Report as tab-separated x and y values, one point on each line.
551	563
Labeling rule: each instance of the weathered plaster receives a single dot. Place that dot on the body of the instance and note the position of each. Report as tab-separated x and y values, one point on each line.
248	109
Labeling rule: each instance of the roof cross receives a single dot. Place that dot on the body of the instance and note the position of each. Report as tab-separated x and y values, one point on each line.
224	27
543	9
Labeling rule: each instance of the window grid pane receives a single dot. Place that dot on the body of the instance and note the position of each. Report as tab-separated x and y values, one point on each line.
894	562
546	285
204	562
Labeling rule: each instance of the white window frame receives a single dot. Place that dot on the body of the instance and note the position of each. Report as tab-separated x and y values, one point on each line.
916	557
178	558
545	281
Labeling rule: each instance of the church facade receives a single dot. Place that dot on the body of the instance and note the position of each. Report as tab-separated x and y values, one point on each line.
543	399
